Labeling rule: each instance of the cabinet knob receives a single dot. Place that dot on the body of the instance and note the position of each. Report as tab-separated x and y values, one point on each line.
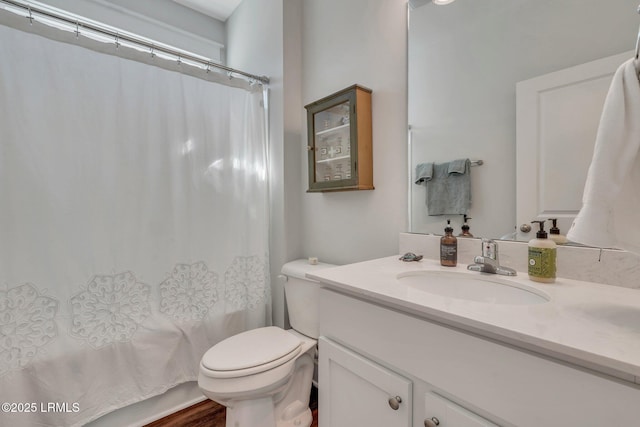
431	422
395	402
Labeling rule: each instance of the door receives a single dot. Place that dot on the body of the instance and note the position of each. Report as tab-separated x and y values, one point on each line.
355	391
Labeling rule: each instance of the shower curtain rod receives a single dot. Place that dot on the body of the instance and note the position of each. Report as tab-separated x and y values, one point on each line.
128	37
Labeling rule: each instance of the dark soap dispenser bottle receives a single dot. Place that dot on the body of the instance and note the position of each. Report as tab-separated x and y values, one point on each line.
448	247
465	228
554	233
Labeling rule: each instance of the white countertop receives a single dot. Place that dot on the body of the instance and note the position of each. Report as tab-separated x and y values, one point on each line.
592	325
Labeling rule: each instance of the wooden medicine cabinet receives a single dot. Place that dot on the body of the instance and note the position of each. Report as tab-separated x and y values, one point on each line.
339	141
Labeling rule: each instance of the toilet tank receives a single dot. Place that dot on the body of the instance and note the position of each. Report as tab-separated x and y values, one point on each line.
302	296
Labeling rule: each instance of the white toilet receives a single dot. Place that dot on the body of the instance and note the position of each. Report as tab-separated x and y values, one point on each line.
263	376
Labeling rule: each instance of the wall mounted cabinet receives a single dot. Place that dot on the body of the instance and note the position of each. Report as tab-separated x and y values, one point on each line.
339	141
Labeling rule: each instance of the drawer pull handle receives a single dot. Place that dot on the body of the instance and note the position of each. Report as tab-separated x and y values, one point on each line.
433	422
395	402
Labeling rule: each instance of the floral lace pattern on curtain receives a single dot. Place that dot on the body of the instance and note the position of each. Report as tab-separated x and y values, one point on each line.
244	283
26	325
112	308
189	292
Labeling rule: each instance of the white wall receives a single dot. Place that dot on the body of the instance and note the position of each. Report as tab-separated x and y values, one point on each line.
363	42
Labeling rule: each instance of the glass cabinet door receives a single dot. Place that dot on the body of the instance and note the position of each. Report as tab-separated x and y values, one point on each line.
332	137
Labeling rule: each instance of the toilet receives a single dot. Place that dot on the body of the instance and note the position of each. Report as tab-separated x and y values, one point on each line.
263	376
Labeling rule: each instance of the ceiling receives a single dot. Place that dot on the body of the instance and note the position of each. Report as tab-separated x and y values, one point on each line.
219	9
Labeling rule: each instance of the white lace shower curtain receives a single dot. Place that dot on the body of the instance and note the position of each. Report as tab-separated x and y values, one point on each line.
133	227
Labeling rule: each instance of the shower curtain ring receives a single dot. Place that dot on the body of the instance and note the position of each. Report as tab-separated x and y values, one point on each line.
30	17
208	67
179	60
153	54
77	29
230	75
117	41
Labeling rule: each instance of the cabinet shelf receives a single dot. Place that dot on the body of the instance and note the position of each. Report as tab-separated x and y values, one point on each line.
334	129
333	159
342	120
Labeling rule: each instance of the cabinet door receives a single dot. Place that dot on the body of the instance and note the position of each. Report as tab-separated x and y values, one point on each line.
444	412
333	161
354	391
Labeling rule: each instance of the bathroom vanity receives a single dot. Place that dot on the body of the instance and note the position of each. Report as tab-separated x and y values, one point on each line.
415	344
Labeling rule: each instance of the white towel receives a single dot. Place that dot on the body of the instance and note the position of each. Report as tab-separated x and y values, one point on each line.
610	212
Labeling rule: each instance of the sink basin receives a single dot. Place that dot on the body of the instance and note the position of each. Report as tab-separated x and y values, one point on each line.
479	288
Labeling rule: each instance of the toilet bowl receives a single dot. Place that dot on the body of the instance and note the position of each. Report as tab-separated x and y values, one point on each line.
263	376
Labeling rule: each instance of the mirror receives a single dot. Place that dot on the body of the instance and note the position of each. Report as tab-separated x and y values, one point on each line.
465	60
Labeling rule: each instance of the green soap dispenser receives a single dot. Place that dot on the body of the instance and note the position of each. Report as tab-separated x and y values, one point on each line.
448	247
542	257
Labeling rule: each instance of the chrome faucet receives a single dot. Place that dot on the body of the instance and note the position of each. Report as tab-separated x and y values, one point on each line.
488	262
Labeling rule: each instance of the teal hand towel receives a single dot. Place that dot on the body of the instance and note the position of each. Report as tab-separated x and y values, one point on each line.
448	187
459	166
424	172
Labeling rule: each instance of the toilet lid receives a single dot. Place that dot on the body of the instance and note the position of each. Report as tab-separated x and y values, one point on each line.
250	349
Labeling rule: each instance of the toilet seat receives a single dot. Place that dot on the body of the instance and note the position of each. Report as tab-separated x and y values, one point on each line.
250	353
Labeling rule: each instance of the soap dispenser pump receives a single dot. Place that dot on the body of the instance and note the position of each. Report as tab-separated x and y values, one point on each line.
542	257
465	228
554	233
448	247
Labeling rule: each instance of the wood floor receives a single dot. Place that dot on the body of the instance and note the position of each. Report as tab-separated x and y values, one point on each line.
204	414
210	414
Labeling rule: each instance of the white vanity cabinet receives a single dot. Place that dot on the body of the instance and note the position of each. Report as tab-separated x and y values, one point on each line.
360	392
456	377
357	391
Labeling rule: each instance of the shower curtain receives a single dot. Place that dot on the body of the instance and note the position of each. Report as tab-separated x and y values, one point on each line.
133	227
